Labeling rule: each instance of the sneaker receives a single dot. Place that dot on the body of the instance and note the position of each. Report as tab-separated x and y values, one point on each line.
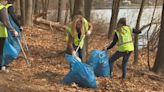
3	68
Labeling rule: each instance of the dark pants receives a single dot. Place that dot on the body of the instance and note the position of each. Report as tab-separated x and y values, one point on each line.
2	42
116	56
79	52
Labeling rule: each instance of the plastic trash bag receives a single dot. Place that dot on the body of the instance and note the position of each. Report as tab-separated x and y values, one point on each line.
80	73
10	53
99	60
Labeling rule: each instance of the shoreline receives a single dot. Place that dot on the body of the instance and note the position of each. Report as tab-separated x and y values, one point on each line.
128	7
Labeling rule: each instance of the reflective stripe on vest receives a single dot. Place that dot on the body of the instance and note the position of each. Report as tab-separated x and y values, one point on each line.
125	42
3	30
8	5
76	38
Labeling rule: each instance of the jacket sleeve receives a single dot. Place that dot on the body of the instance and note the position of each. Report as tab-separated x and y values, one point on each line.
12	14
4	18
115	39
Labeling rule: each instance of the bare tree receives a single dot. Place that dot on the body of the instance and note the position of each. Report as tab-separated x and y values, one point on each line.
78	7
29	12
113	22
136	35
59	10
159	64
45	4
22	5
148	44
88	7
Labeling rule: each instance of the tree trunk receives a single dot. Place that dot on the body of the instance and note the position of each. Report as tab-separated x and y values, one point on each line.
66	13
59	11
78	7
17	7
136	35
71	4
88	7
159	63
45	4
28	20
22	5
113	21
36	7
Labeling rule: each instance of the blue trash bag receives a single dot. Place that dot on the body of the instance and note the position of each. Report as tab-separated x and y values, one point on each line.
11	47
10	53
14	40
80	73
99	60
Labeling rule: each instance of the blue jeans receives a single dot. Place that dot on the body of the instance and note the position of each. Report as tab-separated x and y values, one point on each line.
116	56
2	43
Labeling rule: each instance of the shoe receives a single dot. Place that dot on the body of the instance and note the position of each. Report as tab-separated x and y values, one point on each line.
3	68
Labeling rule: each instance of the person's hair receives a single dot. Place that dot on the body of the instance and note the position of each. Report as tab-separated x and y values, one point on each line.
76	18
10	1
122	21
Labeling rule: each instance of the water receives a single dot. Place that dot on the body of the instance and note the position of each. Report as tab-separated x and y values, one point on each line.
130	14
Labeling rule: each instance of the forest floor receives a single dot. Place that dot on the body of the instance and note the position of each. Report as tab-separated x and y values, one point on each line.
48	67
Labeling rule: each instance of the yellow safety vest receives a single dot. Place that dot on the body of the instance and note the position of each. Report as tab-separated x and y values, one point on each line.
8	5
75	37
3	29
125	42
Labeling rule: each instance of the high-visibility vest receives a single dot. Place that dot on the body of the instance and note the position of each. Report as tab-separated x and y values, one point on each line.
8	5
77	41
3	29
125	42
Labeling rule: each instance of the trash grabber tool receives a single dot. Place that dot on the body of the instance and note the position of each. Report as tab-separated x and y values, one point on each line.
24	54
25	43
79	47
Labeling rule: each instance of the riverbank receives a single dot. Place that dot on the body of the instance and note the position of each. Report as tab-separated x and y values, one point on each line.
127	7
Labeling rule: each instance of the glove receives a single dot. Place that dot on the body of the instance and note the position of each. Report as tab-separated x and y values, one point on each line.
15	33
73	53
89	32
76	56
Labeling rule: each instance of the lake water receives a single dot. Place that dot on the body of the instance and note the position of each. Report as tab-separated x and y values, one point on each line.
131	16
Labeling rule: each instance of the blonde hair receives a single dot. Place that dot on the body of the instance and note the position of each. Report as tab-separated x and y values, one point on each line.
74	22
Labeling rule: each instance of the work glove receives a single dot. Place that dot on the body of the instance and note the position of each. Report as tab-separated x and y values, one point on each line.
75	55
89	32
15	33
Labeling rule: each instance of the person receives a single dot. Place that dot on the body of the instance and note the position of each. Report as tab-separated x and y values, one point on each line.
10	9
123	38
4	25
76	32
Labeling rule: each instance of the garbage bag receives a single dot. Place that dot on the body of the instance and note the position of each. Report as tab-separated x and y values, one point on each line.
99	60
10	53
80	73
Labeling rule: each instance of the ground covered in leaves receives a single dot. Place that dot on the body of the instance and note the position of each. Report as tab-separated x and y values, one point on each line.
48	67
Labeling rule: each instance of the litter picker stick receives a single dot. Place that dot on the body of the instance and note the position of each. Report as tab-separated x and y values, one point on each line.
79	45
78	49
24	38
24	54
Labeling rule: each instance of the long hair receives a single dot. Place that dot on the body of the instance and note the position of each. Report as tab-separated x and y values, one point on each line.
74	23
121	22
